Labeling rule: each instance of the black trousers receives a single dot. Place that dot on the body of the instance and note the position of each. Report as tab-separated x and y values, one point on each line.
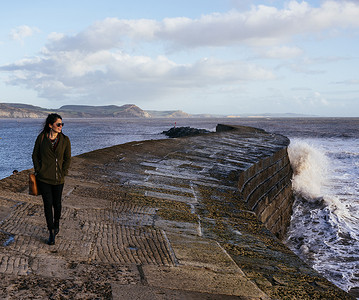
51	196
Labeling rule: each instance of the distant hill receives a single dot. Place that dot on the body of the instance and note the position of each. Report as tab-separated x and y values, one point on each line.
17	110
109	111
13	110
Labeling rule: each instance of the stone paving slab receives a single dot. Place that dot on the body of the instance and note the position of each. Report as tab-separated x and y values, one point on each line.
202	252
141	292
188	278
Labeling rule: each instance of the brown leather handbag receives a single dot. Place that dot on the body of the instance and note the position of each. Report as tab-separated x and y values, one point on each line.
33	190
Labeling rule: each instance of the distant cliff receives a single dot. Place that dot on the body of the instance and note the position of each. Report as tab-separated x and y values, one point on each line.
109	111
10	110
17	110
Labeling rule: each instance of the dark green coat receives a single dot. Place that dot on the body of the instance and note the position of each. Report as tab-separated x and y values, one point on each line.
51	166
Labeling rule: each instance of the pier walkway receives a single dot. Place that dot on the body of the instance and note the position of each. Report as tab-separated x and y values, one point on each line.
157	219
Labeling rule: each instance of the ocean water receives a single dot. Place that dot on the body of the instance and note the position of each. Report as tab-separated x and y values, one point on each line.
324	154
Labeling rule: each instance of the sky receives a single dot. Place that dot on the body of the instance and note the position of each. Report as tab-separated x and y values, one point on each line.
226	57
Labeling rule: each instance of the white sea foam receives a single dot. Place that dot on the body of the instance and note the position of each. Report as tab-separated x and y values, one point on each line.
324	229
310	167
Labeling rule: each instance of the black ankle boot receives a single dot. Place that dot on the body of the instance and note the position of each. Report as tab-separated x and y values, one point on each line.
57	227
51	240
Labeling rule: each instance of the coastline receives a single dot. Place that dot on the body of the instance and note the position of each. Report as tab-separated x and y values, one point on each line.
182	194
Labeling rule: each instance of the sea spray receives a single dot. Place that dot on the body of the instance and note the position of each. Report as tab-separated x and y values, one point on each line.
310	169
323	230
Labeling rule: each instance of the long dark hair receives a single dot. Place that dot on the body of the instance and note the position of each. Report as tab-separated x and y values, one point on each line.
51	119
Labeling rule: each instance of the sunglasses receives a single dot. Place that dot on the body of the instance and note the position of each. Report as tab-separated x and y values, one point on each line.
59	124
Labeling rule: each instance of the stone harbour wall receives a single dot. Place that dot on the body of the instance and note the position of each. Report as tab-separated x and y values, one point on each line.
267	189
197	217
266	186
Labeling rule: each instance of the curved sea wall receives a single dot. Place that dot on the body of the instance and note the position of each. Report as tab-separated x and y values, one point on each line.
267	189
186	218
266	186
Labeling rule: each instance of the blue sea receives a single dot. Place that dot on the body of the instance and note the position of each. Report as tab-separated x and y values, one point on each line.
324	154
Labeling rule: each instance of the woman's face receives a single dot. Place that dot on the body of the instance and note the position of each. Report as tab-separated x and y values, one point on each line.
57	126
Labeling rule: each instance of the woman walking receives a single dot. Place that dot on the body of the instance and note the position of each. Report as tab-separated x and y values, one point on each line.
51	158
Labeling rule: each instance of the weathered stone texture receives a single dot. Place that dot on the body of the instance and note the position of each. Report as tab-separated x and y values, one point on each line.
266	188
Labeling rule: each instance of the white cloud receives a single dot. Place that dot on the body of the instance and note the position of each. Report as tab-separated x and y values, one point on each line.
262	25
104	35
282	52
90	74
348	82
318	99
55	36
312	100
21	32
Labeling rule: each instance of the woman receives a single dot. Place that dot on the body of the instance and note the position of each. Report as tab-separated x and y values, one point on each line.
51	158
